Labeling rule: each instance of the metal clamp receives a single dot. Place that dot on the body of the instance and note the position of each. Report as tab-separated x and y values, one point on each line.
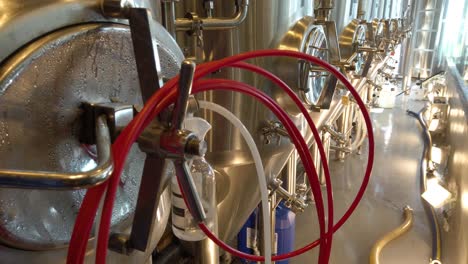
274	130
67	180
295	202
118	116
378	87
335	135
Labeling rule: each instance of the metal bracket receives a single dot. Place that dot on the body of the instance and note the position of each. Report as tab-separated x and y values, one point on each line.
336	136
118	117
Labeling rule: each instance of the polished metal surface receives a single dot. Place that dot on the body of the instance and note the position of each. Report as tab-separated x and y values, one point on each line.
343	13
352	40
106	52
455	243
394	184
22	21
41	89
425	38
14	256
313	84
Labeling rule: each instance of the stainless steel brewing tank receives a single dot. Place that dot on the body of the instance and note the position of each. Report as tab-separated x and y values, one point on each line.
68	60
267	24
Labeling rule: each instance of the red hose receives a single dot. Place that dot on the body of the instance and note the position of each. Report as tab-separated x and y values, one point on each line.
141	119
104	231
316	134
361	104
225	84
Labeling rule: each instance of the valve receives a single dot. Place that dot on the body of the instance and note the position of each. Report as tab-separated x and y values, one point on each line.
295	202
273	130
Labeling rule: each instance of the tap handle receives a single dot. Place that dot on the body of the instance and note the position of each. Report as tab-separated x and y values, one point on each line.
187	73
188	187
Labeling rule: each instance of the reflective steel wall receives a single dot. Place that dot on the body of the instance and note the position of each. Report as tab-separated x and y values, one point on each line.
455	237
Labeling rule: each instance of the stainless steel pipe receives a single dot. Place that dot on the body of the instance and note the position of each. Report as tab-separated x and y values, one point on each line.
362	7
185	24
67	180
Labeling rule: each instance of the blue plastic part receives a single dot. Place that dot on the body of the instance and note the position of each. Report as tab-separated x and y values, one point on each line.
284	228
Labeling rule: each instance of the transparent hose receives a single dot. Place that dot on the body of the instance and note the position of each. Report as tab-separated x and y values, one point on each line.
258	166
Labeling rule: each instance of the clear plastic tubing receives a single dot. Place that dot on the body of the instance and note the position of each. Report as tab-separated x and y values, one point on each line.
258	166
296	138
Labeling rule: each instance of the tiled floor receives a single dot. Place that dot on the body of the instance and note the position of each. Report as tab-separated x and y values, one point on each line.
394	184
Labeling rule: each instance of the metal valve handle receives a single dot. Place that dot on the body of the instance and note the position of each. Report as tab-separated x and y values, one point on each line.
183	174
187	72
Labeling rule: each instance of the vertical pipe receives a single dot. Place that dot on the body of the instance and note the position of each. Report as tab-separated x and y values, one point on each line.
416	5
323	9
362	7
169	17
316	159
406	43
325	138
292	173
381	9
390	10
343	128
273	203
206	251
